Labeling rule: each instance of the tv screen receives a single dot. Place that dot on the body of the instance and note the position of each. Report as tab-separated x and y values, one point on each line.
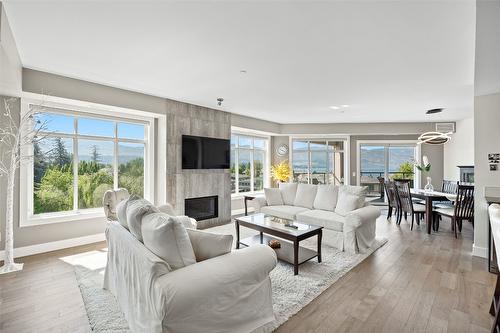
205	153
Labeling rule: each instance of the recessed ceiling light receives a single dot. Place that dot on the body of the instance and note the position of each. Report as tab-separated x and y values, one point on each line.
345	105
433	111
333	107
243	71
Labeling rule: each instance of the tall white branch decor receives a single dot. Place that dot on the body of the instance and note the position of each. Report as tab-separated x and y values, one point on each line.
14	136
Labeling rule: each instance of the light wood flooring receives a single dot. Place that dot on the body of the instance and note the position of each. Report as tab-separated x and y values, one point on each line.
415	283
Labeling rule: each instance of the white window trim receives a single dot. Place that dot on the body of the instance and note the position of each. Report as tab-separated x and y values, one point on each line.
267	164
418	153
346	151
90	110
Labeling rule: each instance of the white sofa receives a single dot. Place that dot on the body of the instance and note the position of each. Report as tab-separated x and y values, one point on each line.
219	291
352	226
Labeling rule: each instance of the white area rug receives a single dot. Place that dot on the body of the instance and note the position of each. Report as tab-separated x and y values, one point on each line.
290	293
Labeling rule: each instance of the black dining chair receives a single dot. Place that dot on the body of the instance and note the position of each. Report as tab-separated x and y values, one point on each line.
406	203
462	210
392	200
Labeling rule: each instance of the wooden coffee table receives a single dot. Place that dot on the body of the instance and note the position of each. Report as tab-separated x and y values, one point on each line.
288	232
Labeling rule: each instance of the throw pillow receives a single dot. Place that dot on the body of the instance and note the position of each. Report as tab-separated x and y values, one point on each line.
208	245
136	210
121	211
167	237
273	196
326	198
346	203
359	191
288	192
306	193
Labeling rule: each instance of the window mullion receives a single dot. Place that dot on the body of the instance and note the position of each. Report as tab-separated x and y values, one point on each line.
252	175
115	158
75	165
236	170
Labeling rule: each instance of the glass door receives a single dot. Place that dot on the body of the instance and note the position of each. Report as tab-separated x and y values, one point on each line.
387	161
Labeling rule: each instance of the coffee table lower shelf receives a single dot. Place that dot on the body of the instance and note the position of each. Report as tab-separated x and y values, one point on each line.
285	252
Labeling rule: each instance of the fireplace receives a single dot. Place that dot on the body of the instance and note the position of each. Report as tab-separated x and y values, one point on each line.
202	208
466	173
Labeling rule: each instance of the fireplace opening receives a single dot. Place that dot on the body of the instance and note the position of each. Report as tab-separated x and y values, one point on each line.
202	208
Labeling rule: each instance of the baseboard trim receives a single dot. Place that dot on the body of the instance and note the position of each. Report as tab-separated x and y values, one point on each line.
56	245
479	251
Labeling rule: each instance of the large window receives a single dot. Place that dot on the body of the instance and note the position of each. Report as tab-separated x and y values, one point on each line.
80	157
318	161
248	163
379	161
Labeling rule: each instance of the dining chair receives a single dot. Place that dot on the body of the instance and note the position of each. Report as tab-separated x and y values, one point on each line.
406	203
462	210
448	186
392	200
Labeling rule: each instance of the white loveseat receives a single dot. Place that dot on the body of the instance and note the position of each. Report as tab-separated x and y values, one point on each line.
219	290
352	227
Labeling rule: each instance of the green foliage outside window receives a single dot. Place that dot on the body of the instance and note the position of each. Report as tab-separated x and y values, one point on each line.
53	179
405	171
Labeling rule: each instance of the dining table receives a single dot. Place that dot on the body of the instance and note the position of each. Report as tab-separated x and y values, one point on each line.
429	197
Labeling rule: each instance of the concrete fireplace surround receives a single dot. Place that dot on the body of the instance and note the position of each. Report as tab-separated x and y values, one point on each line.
187	119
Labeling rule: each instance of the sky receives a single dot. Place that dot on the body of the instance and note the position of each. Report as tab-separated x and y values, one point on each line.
56	123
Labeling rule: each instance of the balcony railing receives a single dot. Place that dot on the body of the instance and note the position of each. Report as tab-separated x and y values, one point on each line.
372	179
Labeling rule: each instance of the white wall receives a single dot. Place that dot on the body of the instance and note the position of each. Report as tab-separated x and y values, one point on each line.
460	149
487	140
10	63
486	114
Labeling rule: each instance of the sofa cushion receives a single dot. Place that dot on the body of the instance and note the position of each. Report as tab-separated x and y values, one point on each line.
350	198
288	192
347	203
284	211
273	196
359	191
326	197
305	195
208	245
166	236
136	210
121	210
322	218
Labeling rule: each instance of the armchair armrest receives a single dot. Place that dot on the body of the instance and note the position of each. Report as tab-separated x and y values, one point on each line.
208	245
259	202
360	216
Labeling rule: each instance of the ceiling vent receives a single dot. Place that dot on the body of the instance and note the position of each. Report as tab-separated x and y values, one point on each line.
445	127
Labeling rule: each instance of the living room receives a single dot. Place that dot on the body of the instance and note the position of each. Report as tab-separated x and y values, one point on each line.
330	166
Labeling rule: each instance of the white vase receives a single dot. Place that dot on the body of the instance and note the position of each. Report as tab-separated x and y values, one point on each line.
428	187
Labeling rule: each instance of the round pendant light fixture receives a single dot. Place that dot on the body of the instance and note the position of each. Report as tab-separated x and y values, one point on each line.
434	138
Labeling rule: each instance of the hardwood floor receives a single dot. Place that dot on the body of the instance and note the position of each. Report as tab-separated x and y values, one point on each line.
415	283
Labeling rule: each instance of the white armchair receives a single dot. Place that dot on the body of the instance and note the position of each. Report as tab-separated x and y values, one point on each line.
215	294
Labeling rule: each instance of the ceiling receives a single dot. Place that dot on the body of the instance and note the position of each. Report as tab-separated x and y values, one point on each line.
389	61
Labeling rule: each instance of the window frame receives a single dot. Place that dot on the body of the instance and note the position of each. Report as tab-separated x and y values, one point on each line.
266	164
27	218
346	151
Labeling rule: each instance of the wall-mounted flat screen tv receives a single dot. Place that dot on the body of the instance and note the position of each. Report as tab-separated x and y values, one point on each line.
205	153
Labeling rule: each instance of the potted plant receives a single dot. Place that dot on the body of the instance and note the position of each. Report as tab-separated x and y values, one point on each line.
424	167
